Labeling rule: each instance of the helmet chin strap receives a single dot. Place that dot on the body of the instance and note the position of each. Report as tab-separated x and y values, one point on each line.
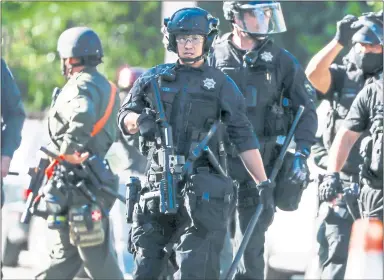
259	37
192	60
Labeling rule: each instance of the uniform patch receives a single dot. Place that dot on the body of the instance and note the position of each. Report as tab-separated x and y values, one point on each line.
266	56
310	89
209	83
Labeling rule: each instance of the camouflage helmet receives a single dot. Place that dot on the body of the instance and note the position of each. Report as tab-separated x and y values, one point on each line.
79	42
191	21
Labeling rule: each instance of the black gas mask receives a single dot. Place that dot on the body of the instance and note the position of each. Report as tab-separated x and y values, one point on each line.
369	63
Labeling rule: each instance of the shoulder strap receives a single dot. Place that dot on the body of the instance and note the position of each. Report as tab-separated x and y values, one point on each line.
101	122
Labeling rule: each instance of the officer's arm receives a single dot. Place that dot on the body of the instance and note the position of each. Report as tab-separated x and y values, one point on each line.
82	120
301	93
132	106
240	130
318	67
354	124
12	112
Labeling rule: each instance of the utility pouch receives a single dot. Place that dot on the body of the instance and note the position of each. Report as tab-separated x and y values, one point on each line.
86	226
275	121
55	221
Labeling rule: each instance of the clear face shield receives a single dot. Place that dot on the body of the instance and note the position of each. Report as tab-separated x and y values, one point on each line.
260	19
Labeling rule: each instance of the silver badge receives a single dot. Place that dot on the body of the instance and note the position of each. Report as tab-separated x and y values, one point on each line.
266	56
209	83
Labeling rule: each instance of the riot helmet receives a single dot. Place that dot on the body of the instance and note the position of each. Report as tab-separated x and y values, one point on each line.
82	43
190	21
257	18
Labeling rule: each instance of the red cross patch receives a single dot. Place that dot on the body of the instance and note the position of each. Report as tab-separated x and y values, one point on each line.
96	215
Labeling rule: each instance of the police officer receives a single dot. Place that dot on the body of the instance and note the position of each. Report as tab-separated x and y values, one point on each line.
339	84
73	118
274	86
366	113
13	116
194	95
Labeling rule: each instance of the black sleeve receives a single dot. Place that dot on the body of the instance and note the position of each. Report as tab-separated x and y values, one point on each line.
134	101
239	128
301	92
12	112
338	74
358	116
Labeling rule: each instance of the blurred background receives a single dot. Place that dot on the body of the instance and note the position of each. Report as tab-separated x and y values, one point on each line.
131	37
130	33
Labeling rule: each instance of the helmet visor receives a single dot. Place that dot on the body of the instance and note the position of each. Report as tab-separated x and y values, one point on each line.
260	19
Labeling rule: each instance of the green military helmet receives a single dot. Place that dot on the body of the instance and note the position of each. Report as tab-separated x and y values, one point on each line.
79	42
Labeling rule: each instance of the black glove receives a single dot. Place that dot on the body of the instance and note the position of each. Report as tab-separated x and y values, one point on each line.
147	124
299	171
345	31
266	193
330	186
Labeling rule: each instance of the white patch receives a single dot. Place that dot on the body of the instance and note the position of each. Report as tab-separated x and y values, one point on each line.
266	56
209	83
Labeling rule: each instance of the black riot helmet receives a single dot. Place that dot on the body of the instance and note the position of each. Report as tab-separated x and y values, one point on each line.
82	43
258	18
191	21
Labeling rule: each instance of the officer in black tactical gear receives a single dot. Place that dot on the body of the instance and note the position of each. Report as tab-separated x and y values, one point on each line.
12	120
339	84
195	97
81	127
274	86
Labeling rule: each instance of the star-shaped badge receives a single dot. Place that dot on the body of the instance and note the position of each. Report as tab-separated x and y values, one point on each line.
209	83
266	56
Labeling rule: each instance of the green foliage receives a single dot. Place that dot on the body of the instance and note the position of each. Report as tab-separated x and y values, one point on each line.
130	33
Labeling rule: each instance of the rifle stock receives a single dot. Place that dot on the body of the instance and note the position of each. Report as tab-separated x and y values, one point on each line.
37	177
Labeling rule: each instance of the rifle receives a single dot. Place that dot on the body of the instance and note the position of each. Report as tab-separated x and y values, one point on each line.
260	207
170	163
37	177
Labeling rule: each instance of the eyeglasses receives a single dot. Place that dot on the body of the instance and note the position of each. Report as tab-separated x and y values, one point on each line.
194	39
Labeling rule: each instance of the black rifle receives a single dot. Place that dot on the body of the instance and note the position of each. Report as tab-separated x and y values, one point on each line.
260	207
169	162
37	178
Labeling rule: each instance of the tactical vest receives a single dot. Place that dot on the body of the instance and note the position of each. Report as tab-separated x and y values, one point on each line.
191	104
257	81
340	105
376	130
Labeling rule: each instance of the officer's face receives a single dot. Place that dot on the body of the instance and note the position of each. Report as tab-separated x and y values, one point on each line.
368	48
190	46
254	21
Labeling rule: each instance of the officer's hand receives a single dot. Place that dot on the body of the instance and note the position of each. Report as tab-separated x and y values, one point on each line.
5	163
76	158
330	186
147	124
344	30
266	194
299	170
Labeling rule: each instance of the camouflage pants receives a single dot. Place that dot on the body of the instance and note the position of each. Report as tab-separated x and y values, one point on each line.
100	261
333	238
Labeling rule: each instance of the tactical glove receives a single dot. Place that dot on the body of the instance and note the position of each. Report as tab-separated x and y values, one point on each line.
330	186
147	124
266	193
299	171
345	31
